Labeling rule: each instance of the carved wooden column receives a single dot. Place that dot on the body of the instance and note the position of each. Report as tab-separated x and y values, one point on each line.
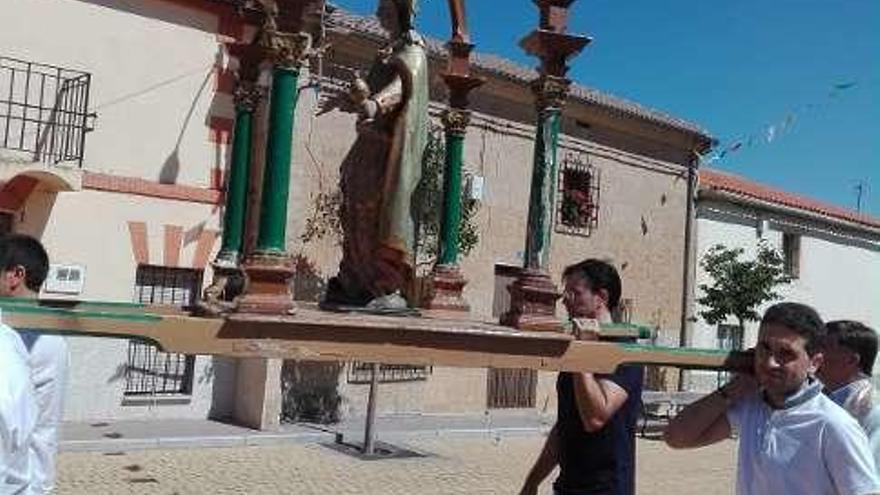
533	293
270	267
447	280
247	97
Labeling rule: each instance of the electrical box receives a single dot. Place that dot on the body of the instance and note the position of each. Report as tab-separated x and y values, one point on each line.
65	279
475	187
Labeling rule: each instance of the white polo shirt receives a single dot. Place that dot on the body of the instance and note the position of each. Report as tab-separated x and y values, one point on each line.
17	415
810	447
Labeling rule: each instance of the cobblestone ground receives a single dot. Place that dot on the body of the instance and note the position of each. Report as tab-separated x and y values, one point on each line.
452	466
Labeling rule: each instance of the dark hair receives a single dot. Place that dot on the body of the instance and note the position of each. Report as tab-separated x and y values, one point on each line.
27	252
858	338
801	319
598	275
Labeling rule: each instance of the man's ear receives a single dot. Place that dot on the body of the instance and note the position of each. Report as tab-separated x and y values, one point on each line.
16	277
855	359
816	361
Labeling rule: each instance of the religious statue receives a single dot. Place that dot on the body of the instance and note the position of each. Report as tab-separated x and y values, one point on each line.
381	171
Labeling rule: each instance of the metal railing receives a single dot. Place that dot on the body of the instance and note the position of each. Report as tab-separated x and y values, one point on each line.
153	372
44	110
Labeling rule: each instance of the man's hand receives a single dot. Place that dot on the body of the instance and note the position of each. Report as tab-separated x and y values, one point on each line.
741	386
586	328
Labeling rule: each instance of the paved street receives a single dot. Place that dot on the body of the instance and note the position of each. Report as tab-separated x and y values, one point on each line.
453	465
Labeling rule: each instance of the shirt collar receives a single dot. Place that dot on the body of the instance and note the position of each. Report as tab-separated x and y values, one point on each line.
842	393
809	389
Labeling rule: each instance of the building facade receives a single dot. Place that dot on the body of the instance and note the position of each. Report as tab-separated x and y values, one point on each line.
831	254
123	183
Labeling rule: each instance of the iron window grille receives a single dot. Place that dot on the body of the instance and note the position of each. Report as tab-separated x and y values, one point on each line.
388	373
44	111
150	371
577	211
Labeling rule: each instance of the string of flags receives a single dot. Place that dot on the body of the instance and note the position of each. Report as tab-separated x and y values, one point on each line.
771	132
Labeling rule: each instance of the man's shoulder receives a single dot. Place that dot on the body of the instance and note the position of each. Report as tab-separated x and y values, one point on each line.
38	342
14	369
10	341
833	418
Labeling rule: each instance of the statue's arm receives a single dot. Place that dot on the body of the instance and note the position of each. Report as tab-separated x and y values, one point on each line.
382	102
390	97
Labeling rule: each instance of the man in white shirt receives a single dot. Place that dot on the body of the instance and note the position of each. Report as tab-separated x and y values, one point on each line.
793	439
17	415
23	268
850	349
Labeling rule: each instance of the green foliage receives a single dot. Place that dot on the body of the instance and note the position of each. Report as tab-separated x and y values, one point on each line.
428	204
325	218
310	392
739	286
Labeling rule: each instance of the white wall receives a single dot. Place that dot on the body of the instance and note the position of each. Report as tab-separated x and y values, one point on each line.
153	83
839	270
152	87
89	228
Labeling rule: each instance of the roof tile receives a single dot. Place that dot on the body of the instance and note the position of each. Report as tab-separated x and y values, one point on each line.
717	180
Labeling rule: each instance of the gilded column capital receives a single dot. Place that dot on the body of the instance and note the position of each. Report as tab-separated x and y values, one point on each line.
287	50
247	95
551	92
456	120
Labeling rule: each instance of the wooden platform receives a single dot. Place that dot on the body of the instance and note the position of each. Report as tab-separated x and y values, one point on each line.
313	334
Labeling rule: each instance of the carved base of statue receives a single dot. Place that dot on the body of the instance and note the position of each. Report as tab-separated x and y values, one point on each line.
447	284
533	297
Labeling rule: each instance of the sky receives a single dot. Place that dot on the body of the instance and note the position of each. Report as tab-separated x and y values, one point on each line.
801	77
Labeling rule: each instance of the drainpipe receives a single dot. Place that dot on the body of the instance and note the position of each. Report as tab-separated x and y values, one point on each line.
693	165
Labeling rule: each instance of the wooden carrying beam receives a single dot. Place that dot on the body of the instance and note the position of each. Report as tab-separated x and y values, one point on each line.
318	335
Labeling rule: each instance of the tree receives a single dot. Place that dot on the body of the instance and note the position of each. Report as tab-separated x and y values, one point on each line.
740	286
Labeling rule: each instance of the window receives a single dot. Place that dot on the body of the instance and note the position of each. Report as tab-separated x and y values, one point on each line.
150	371
362	372
730	337
791	252
577	211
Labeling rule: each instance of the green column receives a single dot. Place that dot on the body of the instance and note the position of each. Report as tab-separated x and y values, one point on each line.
246	99
455	121
542	199
551	92
276	176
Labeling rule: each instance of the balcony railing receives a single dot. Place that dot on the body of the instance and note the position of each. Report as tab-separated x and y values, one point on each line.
44	111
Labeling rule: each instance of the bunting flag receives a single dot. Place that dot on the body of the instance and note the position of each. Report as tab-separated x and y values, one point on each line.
771	132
